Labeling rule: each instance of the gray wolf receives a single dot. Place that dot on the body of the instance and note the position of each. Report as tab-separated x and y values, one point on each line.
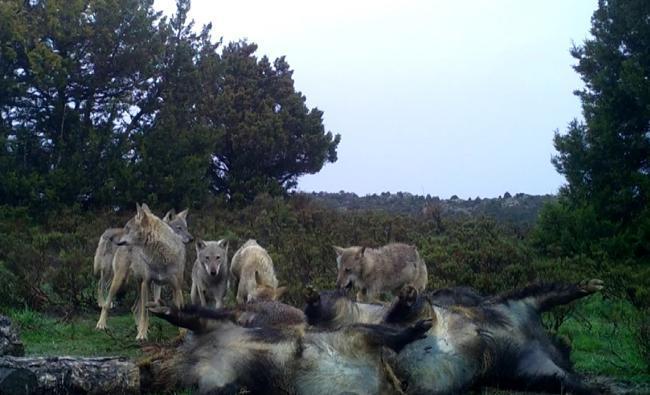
375	271
251	266
160	260
210	273
107	250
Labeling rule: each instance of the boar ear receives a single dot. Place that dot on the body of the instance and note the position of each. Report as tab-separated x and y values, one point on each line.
169	216
363	250
200	244
339	250
183	214
279	291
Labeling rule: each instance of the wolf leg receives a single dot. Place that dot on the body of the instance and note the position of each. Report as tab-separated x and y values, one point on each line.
120	273
157	290
141	312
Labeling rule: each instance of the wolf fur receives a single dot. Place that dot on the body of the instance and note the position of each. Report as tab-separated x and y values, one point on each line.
102	263
210	273
501	342
283	361
111	258
333	309
161	261
251	266
377	270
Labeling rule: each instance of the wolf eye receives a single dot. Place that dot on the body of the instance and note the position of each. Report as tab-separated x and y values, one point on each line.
218	257
348	270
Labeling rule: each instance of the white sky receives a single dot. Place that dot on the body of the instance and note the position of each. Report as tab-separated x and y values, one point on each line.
438	97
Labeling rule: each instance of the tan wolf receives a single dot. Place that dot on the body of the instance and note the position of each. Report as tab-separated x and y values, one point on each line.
159	260
251	266
374	271
210	273
107	249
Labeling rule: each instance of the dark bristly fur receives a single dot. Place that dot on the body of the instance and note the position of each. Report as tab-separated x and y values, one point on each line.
224	356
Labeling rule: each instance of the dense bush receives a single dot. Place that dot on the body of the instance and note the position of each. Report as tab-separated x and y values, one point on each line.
48	262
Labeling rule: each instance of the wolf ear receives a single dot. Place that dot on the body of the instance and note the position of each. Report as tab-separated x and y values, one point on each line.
183	214
145	208
200	244
222	243
138	212
363	250
258	279
169	216
338	250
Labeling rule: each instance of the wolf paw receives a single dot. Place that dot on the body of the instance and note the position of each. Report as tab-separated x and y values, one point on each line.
593	285
100	326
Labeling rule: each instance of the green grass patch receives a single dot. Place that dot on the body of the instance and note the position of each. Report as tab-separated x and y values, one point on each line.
602	333
44	335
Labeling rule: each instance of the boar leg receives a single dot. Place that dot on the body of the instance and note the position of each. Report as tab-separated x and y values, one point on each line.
543	297
394	338
536	371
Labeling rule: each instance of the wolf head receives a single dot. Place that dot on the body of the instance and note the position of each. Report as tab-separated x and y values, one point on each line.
113	235
349	262
135	231
264	291
212	255
178	223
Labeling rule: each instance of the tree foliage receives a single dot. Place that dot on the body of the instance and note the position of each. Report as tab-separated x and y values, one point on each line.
604	209
103	102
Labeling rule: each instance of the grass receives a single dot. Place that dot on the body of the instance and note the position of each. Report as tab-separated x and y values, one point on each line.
48	336
602	334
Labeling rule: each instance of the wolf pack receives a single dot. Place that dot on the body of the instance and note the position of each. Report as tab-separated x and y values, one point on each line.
422	341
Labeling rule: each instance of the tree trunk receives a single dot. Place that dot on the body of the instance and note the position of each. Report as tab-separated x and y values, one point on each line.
68	375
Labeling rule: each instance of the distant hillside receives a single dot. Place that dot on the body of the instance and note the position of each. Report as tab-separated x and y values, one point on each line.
520	209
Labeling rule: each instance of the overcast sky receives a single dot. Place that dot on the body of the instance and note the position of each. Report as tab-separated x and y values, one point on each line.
430	97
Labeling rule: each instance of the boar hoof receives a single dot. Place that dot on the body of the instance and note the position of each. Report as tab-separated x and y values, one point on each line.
422	326
593	285
408	294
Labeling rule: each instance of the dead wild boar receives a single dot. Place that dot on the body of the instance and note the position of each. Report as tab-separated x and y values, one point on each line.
210	273
221	357
501	342
251	266
377	270
333	309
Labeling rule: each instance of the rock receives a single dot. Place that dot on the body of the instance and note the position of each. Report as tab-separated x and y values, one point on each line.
10	343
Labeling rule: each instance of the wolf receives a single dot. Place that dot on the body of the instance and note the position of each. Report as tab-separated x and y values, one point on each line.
210	273
102	263
107	250
500	342
159	260
250	266
280	360
374	271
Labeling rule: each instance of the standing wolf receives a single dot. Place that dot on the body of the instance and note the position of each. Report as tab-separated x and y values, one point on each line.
251	267
385	269
111	258
161	261
210	273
